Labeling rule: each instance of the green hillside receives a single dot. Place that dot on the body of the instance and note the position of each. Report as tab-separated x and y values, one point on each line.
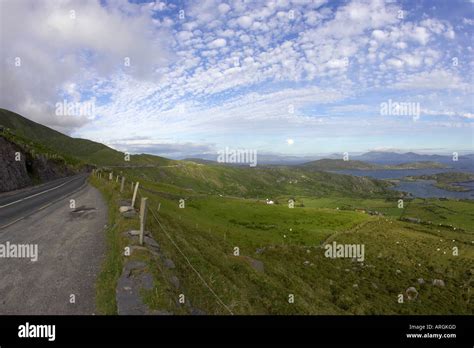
84	150
281	253
338	164
447	181
263	182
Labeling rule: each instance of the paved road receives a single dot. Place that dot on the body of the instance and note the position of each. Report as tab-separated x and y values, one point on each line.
17	204
70	242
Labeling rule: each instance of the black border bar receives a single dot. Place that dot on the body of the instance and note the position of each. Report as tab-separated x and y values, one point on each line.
225	330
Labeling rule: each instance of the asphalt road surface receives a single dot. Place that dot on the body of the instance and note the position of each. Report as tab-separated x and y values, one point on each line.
70	247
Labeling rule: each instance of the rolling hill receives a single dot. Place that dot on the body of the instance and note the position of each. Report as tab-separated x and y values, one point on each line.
338	164
391	158
85	150
261	181
281	249
205	177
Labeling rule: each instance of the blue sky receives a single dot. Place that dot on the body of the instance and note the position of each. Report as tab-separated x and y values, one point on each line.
205	75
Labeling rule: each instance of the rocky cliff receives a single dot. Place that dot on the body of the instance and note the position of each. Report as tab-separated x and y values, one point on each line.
20	167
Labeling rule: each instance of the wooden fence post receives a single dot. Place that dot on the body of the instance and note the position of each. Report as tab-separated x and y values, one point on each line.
142	218
110	176
135	194
122	184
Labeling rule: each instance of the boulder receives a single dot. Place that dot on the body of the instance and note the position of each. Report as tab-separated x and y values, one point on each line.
411	293
169	264
175	281
129	214
151	243
125	208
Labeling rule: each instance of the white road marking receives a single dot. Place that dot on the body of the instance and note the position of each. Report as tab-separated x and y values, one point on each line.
44	206
36	194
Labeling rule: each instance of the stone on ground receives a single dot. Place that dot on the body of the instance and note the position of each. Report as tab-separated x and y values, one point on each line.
125	208
133	280
411	293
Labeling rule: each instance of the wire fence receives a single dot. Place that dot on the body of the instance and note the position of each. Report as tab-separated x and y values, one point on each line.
165	232
219	300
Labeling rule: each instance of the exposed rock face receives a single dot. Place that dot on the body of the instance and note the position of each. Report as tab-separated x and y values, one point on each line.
13	174
20	168
47	169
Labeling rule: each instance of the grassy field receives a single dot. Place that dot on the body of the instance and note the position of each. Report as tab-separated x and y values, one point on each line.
281	254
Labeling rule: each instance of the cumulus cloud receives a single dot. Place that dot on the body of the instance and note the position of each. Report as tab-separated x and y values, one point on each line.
245	21
217	43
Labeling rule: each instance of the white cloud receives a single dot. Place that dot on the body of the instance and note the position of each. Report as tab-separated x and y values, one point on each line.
245	21
396	63
412	60
159	6
432	80
57	47
401	45
217	43
420	34
184	35
379	35
449	113
223	8
468	21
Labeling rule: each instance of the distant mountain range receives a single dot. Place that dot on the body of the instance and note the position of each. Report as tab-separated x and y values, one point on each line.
373	157
381	157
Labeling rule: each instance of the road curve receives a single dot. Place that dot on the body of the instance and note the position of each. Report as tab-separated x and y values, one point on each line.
70	248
